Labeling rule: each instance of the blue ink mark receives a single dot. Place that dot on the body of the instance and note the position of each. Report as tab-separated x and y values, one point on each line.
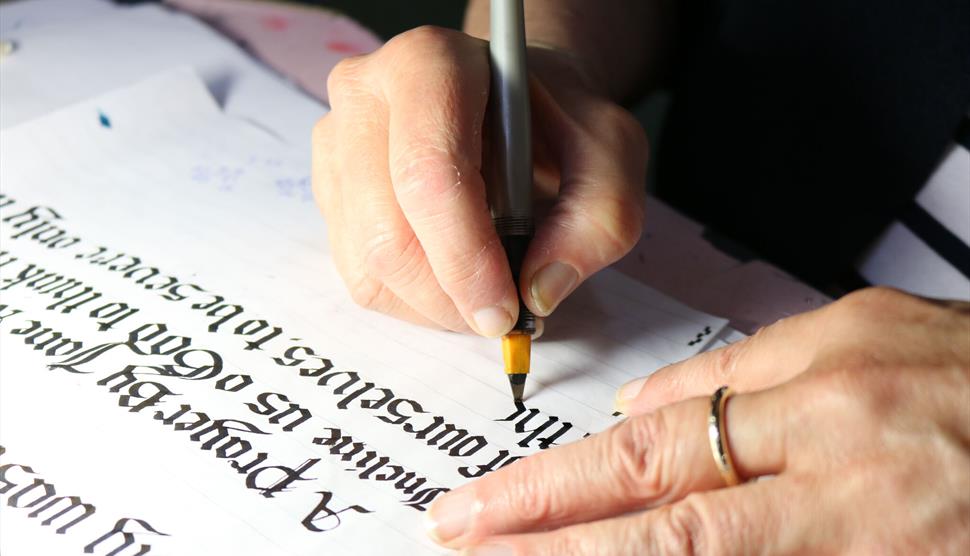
223	177
295	188
103	118
201	174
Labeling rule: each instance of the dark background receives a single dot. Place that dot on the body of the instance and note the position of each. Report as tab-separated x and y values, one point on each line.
390	17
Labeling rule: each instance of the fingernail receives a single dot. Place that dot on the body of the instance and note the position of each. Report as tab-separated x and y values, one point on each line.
488	550
551	284
627	393
492	321
449	516
540	328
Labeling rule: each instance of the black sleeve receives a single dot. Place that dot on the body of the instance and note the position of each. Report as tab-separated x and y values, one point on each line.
801	128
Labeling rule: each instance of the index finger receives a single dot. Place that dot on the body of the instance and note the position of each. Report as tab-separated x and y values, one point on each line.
772	356
435	144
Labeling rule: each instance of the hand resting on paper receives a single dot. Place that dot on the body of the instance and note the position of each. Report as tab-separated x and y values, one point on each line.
858	411
396	173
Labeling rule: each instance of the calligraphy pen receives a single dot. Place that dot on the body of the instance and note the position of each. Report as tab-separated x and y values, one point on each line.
509	169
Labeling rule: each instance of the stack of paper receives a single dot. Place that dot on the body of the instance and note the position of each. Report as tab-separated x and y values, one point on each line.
70	50
183	372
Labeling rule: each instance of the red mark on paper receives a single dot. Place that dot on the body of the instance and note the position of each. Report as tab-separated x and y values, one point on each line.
343	47
275	23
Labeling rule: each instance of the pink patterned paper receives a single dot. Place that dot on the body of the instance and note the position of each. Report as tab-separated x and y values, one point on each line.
301	43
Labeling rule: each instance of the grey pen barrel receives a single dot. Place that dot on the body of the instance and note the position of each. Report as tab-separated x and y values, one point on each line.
509	148
510	153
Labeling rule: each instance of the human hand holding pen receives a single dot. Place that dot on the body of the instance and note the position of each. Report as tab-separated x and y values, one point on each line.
397	173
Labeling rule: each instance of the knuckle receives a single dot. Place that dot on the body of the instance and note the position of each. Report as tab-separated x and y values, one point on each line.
627	128
616	220
869	304
568	542
636	450
729	357
343	76
422	40
369	294
475	272
531	503
389	254
682	528
842	392
426	177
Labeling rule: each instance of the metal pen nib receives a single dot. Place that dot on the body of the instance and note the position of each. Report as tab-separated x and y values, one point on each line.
517	382
517	355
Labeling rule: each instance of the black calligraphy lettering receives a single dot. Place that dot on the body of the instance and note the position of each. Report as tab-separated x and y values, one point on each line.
469	446
342	404
389	476
134	261
48	494
6	311
522	416
423	433
165	283
47	491
173	293
30	272
209	367
337	441
220	311
31	215
251	327
286	476
6	258
32	220
100	251
216	299
352	378
422	498
386	396
7	484
117	312
148	271
233	382
501	460
371	468
182	410
409	482
219	429
74	361
399	418
86	291
135	393
321	518
277	415
72	503
144	333
122	527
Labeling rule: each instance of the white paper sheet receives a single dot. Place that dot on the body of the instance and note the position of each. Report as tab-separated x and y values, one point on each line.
30	14
69	50
181	249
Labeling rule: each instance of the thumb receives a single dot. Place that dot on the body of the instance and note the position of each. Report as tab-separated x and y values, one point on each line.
598	215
